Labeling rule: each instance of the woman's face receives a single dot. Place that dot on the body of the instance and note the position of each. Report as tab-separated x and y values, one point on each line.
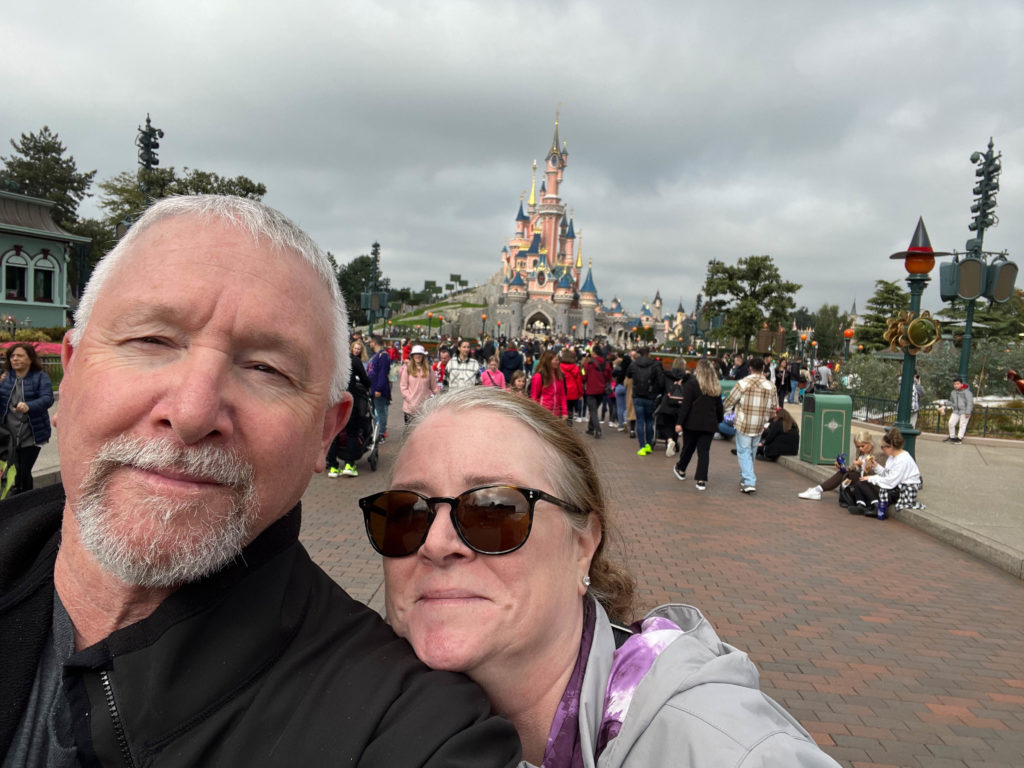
493	365
419	359
357	349
490	616
864	447
20	361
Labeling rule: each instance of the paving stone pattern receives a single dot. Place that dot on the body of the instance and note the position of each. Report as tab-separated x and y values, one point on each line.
892	649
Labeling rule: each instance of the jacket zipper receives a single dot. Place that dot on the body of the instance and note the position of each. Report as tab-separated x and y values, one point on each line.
122	740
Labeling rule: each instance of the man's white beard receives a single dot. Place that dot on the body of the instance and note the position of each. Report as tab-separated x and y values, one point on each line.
190	540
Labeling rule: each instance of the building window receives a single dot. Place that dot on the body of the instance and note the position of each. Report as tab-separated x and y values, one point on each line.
15	278
42	279
43	285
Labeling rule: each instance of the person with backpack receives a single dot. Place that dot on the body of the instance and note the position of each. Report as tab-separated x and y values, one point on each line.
648	379
598	375
668	409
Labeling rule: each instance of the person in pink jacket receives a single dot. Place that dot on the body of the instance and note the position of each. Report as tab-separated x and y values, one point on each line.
417	382
491	376
547	386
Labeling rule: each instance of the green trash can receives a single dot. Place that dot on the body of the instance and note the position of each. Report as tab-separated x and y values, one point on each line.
727	385
825	427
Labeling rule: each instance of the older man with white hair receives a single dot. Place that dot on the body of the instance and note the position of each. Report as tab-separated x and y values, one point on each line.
157	608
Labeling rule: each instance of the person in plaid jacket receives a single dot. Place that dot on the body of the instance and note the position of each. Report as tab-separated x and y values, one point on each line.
754	399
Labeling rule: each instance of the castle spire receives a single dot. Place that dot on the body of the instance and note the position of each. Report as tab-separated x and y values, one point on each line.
533	186
554	142
579	250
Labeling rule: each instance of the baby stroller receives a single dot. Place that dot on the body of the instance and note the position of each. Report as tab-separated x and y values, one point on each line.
361	436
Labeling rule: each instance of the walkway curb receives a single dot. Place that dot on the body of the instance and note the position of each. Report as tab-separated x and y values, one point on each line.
964	539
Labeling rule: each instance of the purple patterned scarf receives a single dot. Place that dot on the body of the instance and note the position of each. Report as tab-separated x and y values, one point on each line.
630	663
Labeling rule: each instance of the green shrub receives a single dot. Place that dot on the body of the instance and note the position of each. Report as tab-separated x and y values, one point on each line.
30	334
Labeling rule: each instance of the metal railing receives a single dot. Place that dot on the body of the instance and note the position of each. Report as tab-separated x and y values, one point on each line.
986	420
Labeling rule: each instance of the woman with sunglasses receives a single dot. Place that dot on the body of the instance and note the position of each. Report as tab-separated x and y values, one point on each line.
495	566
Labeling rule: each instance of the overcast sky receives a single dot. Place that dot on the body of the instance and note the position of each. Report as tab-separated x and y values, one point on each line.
814	132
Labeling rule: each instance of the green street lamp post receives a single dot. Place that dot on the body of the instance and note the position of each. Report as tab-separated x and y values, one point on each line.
919	259
848	334
430	322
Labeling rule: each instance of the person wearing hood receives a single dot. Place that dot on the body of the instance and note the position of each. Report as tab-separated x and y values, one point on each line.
961	404
510	361
496	567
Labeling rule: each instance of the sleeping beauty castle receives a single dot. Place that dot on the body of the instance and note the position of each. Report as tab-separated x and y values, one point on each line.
542	287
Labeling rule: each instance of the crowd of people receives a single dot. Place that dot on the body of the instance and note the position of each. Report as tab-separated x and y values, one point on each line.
594	387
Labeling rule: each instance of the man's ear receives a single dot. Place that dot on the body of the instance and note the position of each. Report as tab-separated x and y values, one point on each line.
335	420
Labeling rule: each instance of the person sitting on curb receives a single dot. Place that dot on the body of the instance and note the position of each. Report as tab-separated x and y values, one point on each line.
855	471
900	477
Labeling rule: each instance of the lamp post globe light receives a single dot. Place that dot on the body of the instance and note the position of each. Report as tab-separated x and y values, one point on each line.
803	340
430	323
848	334
499	329
585	324
919	260
483	325
574	333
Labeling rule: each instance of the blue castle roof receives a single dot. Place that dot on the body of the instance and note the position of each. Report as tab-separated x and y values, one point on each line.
522	216
517	280
588	284
571	234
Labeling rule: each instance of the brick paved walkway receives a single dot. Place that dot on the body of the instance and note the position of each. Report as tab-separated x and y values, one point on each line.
891	648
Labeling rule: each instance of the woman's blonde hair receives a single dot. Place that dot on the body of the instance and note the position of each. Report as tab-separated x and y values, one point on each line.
707	378
572	476
419	370
863	436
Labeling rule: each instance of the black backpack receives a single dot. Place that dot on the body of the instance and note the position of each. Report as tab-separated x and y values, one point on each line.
675	391
645	380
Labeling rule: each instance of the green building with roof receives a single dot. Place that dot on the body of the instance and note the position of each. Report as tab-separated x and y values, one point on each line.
34	258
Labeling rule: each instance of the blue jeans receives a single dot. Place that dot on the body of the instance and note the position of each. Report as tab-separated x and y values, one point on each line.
794	386
380	409
745	447
620	403
644	408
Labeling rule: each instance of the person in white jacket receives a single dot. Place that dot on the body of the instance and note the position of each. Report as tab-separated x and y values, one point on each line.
494	566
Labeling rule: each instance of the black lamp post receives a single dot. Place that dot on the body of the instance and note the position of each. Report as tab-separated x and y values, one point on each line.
483	324
430	322
585	324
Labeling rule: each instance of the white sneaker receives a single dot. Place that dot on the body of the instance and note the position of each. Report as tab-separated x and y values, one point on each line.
811	493
350	471
612	425
717	436
670	449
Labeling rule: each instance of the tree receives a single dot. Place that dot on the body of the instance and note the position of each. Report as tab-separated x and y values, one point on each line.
991	319
40	169
354	278
123	196
887	302
829	323
744	292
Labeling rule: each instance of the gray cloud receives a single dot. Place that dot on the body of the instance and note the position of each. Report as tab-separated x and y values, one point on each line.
815	132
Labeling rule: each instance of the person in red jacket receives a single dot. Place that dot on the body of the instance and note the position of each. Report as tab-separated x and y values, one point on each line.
598	374
573	381
547	386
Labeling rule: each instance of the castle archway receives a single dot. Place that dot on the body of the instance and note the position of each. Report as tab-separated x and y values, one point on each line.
538	324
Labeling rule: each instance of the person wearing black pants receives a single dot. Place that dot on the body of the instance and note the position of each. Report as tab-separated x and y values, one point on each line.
700	413
26	395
